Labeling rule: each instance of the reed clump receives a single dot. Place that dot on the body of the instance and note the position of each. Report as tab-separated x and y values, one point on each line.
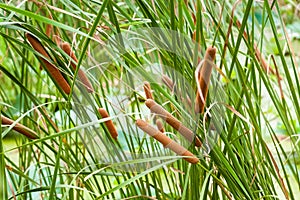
259	56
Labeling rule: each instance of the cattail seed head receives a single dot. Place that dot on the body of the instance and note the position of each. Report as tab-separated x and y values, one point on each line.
203	77
166	141
68	50
109	124
172	121
160	125
147	89
20	128
168	82
53	71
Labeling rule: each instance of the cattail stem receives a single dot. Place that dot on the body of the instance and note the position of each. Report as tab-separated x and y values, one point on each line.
203	73
166	141
52	70
67	49
175	123
147	89
109	124
20	128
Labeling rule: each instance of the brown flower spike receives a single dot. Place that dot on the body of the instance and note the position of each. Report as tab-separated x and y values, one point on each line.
109	124
67	49
19	128
160	125
203	73
172	121
168	82
147	89
166	141
52	70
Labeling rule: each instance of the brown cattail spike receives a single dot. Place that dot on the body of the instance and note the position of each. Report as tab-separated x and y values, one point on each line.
168	82
160	125
147	89
175	123
166	141
109	124
203	73
52	70
49	27
67	49
20	128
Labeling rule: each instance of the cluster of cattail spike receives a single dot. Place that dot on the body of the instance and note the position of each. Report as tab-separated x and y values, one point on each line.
53	71
203	74
158	133
172	121
19	128
55	74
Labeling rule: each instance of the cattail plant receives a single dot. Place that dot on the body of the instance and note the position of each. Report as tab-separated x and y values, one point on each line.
20	128
172	121
258	54
203	73
166	141
109	124
67	49
53	71
147	89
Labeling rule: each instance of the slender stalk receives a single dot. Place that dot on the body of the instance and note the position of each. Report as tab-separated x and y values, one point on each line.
3	188
259	56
